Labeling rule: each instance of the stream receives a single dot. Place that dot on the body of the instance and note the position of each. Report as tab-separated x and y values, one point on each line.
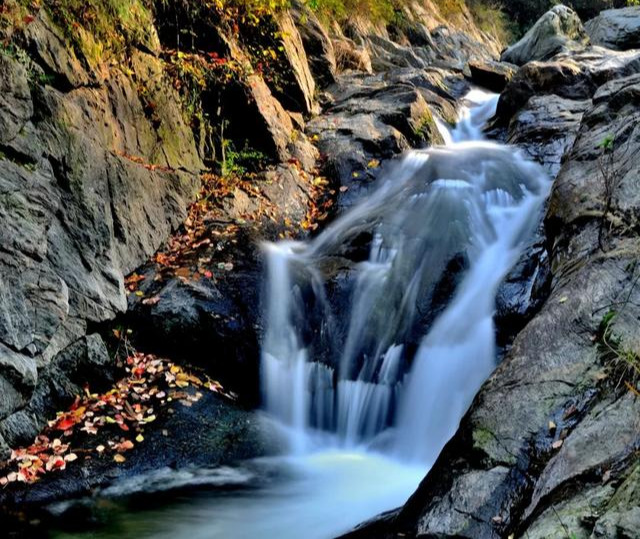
366	395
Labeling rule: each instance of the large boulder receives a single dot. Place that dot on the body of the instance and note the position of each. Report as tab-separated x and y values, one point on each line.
558	30
571	75
546	128
617	29
372	120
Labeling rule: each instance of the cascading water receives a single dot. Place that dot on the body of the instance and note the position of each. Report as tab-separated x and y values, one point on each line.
445	227
379	333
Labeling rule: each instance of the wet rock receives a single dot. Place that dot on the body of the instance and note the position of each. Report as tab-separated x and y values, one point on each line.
558	30
491	75
524	290
546	128
617	29
372	120
574	75
579	190
550	429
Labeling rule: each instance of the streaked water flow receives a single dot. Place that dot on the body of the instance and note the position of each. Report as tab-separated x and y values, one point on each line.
445	226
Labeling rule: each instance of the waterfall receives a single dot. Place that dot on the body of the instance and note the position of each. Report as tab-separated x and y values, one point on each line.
379	331
378	334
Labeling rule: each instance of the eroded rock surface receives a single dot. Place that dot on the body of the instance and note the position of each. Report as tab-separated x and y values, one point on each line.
91	212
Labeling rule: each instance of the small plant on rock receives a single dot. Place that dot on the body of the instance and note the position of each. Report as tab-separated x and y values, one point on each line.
611	178
622	361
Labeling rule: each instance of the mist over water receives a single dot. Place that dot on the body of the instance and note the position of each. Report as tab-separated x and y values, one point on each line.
369	389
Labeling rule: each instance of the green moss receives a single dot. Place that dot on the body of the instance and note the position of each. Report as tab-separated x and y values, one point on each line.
100	29
425	128
482	438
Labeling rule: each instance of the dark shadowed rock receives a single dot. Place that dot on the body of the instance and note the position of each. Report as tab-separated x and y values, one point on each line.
491	75
558	30
211	432
617	29
546	129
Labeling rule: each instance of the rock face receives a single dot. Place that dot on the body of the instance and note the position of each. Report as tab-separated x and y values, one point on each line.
89	188
558	30
549	446
617	29
317	44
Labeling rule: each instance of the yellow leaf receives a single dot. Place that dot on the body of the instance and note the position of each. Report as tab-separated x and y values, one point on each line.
119	458
139	438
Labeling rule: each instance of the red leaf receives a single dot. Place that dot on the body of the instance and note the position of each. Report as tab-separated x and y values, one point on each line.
65	423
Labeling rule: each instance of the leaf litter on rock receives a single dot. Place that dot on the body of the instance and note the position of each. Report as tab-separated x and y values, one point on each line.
116	419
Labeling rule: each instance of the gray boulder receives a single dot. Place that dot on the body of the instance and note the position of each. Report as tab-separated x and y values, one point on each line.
491	75
558	30
617	29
